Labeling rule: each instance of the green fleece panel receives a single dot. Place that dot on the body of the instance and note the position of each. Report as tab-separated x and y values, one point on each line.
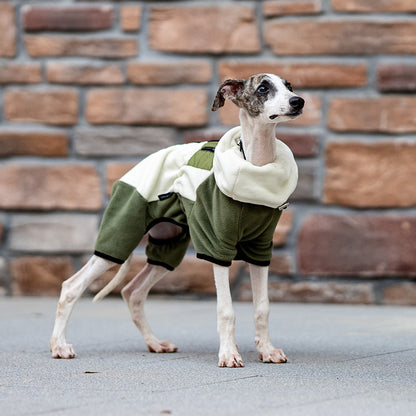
223	229
203	158
123	224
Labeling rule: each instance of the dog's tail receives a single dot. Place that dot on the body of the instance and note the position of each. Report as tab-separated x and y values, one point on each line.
117	280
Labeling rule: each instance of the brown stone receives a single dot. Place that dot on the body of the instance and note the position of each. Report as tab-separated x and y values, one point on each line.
283	228
370	175
62	73
281	265
179	107
346	37
301	144
67	18
122	141
21	143
55	107
318	292
20	73
169	73
400	294
7	30
44	45
367	245
301	75
115	171
39	276
192	276
391	114
396	77
280	8
53	233
204	29
69	187
372	6
311	114
130	17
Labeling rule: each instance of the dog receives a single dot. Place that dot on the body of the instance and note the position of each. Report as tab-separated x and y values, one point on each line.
227	196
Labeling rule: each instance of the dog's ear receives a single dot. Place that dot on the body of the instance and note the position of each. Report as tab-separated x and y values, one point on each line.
228	90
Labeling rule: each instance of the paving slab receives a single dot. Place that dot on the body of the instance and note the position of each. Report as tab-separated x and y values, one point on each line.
343	360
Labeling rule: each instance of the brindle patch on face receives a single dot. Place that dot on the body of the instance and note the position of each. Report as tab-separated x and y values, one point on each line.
251	98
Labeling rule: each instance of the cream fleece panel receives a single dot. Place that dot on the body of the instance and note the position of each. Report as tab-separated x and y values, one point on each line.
157	173
269	185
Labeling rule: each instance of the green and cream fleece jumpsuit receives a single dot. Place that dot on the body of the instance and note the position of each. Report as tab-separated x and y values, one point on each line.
226	205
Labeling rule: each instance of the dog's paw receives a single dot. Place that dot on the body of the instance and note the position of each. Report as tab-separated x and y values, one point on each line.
230	358
275	356
161	346
62	351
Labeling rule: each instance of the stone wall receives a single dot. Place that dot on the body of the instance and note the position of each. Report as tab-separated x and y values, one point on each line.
91	87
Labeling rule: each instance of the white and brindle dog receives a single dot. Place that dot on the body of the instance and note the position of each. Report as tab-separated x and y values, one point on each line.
264	101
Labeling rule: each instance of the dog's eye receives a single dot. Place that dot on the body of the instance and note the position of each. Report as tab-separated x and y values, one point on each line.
263	89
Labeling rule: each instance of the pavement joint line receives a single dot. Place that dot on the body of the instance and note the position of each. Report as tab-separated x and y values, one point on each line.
376	355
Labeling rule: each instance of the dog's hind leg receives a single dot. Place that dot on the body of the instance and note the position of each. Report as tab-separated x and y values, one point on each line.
135	294
72	289
259	281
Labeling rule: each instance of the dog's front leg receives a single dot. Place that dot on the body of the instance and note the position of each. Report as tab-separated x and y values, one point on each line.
228	354
267	352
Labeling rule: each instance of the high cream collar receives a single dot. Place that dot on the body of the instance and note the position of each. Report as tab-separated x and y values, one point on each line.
269	185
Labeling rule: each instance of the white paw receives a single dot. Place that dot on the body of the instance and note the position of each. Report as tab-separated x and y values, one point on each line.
230	358
161	346
62	350
275	356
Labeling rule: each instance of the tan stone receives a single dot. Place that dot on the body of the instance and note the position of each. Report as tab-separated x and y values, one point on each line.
169	73
20	143
69	187
372	6
55	107
312	113
283	228
279	8
391	114
44	45
63	73
301	75
400	294
20	73
346	37
179	107
7	30
39	276
204	29
130	17
53	233
115	171
370	175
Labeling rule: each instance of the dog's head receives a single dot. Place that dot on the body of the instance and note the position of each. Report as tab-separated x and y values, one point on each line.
264	96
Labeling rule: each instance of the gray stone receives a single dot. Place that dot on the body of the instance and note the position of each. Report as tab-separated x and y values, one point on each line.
53	233
122	141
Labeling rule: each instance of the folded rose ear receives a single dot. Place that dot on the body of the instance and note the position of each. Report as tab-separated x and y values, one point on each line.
228	90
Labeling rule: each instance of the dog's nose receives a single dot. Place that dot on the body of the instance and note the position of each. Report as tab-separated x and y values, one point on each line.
297	103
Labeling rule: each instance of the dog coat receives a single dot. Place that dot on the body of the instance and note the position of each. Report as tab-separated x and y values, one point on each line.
226	205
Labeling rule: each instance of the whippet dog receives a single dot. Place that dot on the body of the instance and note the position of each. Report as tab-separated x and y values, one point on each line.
225	195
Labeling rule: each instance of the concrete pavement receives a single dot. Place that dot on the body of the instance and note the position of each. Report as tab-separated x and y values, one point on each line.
343	360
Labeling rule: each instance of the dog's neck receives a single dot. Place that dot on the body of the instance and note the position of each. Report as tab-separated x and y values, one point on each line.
258	140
